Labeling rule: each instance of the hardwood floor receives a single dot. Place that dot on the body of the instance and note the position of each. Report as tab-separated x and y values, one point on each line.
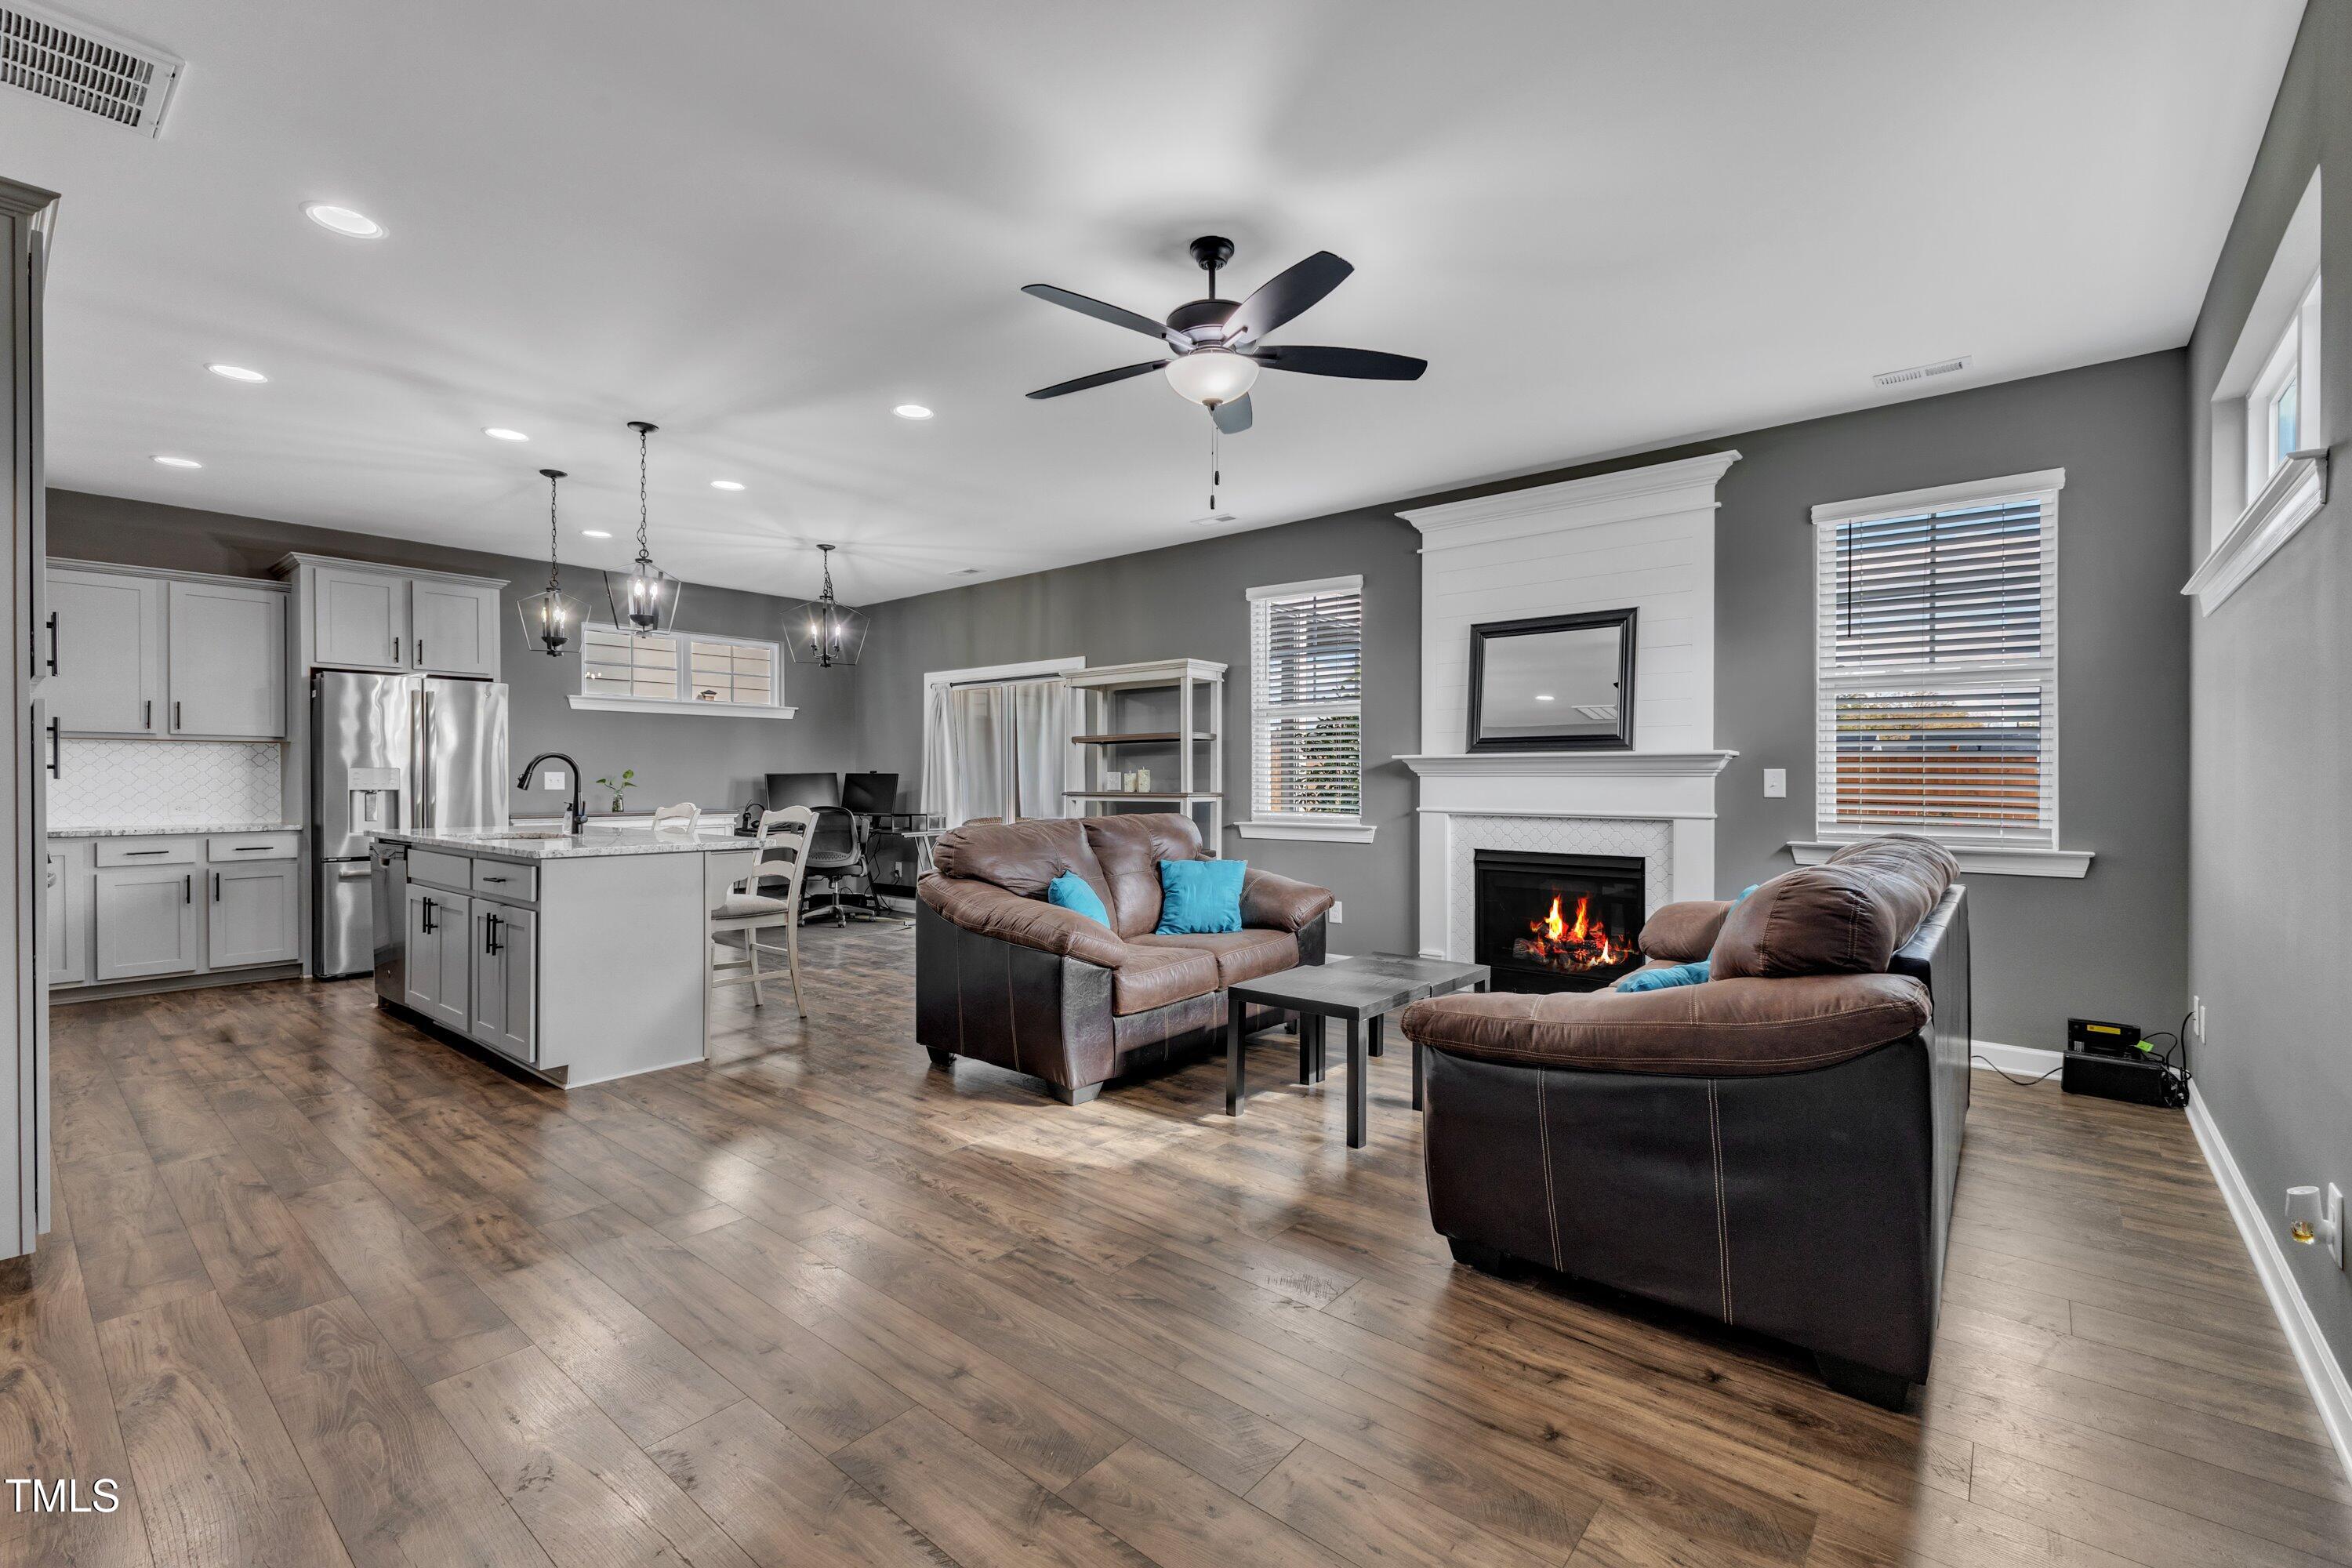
322	1290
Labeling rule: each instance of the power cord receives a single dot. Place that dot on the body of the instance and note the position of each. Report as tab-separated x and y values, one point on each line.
2020	1082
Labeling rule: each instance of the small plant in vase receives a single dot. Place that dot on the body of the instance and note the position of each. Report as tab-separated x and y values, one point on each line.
619	789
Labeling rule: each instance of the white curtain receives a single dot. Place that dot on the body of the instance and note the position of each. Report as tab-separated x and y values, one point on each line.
937	797
995	750
1040	739
976	751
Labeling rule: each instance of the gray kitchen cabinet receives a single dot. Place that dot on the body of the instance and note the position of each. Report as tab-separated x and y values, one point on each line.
227	667
108	630
251	917
505	971
66	879
454	627
145	920
359	618
440	968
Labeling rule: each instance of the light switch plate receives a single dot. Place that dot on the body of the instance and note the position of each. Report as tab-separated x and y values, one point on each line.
2336	1222
555	778
1338	913
1776	783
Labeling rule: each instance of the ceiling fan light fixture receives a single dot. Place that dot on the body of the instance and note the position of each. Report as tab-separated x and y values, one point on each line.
1211	376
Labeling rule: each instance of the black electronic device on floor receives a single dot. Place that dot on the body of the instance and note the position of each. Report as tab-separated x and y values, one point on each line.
2111	1061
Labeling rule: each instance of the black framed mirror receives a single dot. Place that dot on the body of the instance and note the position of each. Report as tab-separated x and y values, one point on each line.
1553	683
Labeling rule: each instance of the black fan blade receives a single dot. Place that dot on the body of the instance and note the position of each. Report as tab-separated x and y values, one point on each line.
1234	417
1362	365
1285	296
1115	315
1099	378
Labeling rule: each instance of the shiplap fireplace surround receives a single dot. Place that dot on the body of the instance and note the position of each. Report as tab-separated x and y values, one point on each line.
1643	537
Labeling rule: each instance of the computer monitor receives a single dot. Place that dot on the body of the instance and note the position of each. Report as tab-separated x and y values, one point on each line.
802	789
871	794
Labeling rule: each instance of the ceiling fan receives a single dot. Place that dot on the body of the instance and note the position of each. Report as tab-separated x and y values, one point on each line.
1218	346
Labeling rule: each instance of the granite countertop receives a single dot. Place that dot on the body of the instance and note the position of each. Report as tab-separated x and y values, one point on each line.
573	847
173	829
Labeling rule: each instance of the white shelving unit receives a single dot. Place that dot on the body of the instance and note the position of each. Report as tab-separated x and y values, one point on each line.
1159	709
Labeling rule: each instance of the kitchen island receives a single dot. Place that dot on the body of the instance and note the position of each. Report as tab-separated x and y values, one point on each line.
580	956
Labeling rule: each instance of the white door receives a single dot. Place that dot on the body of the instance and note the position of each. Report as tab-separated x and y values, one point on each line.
146	921
252	914
66	892
110	653
227	660
455	626
505	966
359	619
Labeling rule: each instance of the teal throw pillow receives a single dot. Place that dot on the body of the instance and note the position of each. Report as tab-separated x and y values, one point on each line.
1071	892
1198	896
1660	979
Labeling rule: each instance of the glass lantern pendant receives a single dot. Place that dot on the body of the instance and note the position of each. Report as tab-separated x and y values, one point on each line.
550	619
646	601
822	632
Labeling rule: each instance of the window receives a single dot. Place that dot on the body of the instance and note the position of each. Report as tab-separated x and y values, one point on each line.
1307	688
2278	409
678	666
1938	668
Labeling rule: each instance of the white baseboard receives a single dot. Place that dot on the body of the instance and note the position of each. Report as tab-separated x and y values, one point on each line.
2020	1061
2320	1368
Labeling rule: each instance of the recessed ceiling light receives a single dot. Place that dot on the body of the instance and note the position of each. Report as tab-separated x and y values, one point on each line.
1543	696
350	224
500	433
911	411
236	372
172	462
726	484
595	534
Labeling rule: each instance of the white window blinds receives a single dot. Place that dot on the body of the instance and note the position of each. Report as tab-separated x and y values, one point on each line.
1307	687
1937	673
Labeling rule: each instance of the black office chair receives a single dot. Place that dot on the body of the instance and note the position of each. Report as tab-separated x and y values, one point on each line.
838	853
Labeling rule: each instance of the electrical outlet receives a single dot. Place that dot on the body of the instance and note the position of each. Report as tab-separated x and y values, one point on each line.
1776	783
555	778
2197	1018
1338	913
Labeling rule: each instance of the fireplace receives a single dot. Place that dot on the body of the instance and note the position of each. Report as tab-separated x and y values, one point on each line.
1557	922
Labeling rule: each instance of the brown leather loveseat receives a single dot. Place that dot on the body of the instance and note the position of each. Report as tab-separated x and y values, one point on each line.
1775	1147
1005	977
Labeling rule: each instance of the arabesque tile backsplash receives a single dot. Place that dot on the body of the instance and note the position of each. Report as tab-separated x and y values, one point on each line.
116	784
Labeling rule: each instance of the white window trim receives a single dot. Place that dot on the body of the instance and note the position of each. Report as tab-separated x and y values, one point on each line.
586	703
1303	828
1980	856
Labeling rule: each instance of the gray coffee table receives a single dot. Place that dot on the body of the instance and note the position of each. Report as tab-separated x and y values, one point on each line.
1361	992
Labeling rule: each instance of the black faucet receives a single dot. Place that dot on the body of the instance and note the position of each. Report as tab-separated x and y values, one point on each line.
576	812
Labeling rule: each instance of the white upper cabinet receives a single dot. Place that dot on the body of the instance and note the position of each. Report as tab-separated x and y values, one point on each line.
360	618
227	660
109	632
453	627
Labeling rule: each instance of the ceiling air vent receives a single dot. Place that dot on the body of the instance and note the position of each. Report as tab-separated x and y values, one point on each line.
1923	372
85	67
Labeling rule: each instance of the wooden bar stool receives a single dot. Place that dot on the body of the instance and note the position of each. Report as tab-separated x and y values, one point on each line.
781	852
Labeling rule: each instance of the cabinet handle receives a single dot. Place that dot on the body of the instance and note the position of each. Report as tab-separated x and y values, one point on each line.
53	642
252	849
216	887
188	888
427	905
57	751
420	651
490	933
147	715
127	852
175	713
395	651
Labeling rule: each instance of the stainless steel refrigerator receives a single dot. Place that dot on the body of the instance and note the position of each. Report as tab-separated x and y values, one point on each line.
419	751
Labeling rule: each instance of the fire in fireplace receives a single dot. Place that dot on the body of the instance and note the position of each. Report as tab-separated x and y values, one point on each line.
1557	922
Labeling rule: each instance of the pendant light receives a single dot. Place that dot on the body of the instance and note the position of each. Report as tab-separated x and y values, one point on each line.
822	632
646	601
550	618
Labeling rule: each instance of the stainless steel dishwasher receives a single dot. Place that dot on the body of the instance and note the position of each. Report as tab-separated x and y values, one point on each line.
389	877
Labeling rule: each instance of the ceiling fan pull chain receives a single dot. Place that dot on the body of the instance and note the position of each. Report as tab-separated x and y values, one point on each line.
1216	473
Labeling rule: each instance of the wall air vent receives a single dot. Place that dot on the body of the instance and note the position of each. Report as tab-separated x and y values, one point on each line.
1924	372
85	67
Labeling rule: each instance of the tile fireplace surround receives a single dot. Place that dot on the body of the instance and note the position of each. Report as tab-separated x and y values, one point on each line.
1643	537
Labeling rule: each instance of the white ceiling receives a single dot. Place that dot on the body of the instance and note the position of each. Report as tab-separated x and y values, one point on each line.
1606	225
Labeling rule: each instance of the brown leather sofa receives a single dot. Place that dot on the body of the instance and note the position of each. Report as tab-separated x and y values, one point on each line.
1003	976
1776	1148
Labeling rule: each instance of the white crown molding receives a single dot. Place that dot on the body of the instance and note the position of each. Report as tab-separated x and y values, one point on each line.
286	564
2324	1374
2292	497
1984	859
1687	485
1939	498
1567	764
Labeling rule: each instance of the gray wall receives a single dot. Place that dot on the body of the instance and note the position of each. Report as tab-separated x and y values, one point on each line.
716	762
2271	828
2111	945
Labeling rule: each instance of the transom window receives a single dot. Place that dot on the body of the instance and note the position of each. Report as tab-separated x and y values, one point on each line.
2281	407
1937	664
678	666
1307	689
